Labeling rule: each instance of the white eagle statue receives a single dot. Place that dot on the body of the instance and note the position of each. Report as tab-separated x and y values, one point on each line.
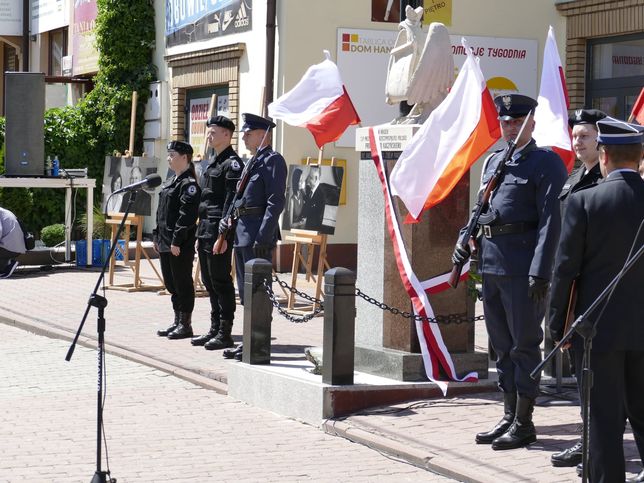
422	79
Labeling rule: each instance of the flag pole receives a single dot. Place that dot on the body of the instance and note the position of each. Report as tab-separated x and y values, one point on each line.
320	155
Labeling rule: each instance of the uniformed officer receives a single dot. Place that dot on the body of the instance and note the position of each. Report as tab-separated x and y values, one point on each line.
257	211
218	183
520	232
583	123
174	237
601	230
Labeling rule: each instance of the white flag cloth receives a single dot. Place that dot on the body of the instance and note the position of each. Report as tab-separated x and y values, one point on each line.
551	115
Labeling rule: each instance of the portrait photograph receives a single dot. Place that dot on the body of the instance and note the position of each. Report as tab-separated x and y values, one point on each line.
120	172
312	198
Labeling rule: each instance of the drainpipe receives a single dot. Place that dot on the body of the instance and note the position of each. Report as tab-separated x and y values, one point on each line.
271	13
25	35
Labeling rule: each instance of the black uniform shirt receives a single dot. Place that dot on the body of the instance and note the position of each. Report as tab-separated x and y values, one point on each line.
177	212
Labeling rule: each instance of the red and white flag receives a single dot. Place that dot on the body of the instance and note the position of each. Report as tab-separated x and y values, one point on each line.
551	115
319	102
436	356
637	114
454	136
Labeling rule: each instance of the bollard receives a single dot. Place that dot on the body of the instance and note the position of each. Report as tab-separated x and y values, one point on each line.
339	326
258	312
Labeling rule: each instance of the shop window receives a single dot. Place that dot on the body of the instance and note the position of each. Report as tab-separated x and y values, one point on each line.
615	73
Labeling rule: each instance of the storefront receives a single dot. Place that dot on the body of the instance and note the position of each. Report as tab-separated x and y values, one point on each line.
604	53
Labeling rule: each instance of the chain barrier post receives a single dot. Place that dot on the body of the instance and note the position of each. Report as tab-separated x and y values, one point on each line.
339	326
258	312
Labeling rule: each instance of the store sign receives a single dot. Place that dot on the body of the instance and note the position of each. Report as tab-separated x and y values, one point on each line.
190	21
84	53
509	65
10	17
49	15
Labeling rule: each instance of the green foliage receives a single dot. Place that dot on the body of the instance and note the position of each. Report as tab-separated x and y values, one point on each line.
82	135
100	228
52	235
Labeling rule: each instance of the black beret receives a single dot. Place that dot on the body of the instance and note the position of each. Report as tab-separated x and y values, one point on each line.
180	147
221	121
614	131
585	116
252	121
512	106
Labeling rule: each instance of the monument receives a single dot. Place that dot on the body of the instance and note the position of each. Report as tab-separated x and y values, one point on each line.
387	344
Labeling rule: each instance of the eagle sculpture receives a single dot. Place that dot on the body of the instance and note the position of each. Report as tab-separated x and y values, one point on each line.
421	79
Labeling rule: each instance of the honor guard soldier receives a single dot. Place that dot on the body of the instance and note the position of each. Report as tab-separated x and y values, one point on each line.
520	233
583	123
174	237
258	208
218	184
602	229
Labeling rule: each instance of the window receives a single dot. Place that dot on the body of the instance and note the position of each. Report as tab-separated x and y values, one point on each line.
57	50
615	73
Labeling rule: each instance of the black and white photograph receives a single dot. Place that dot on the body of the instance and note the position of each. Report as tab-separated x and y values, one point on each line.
120	172
312	198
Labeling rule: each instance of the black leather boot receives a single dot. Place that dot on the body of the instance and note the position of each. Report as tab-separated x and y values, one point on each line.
234	353
223	340
184	329
202	339
521	432
509	408
165	332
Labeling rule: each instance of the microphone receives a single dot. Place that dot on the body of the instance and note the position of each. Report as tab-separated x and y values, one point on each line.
150	181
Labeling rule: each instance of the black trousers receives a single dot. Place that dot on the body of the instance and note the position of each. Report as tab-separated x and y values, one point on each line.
618	386
215	275
243	255
5	257
513	323
177	276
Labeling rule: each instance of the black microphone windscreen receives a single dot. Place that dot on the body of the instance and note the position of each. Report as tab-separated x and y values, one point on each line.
154	180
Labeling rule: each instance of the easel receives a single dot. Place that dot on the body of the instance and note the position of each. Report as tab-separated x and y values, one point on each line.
114	220
137	285
309	239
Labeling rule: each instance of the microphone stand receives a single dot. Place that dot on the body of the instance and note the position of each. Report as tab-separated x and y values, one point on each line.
100	303
588	330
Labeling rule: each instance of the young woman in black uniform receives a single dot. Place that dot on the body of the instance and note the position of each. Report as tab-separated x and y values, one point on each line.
174	237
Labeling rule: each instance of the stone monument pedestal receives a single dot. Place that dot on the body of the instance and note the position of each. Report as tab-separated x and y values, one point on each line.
386	344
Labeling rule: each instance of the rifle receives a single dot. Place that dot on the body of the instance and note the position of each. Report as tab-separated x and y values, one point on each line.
239	192
570	312
482	204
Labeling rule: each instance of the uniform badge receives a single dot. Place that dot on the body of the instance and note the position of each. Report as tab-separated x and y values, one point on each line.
507	102
235	165
578	114
192	189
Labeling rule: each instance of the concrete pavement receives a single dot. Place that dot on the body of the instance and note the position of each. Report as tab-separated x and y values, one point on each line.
434	434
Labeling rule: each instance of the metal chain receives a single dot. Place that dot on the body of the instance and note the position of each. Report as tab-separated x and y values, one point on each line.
291	318
441	319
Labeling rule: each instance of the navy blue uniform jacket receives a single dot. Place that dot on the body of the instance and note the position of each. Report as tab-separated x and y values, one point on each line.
528	193
266	188
597	235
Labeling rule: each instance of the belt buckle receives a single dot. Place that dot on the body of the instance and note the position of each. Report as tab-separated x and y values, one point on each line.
487	232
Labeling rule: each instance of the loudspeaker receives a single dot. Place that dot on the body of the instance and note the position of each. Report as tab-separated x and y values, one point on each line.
24	104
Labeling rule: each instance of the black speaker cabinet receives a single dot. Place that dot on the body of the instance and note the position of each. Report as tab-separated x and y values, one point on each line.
24	104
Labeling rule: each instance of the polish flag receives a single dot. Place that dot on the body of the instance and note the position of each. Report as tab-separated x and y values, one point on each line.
453	137
551	115
319	102
637	114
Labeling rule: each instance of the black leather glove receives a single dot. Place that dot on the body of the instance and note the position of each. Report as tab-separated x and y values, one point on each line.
262	251
538	288
461	254
224	224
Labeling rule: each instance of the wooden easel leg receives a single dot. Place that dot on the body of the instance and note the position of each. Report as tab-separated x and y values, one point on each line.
294	269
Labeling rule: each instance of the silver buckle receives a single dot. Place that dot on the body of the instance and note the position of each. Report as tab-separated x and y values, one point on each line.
487	232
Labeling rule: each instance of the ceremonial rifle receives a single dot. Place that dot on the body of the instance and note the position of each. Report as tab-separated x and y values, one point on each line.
482	204
239	192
